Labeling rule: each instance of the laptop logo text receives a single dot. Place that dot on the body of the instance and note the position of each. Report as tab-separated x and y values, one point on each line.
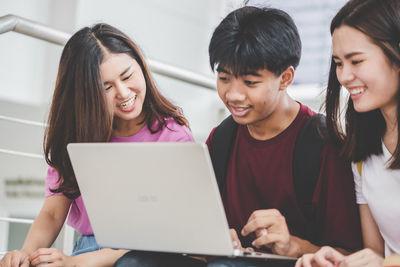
147	198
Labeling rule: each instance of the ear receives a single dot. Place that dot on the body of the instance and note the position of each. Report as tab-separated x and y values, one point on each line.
286	77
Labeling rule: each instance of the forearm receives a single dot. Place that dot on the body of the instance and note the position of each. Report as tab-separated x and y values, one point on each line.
100	258
43	232
299	247
343	251
372	237
47	224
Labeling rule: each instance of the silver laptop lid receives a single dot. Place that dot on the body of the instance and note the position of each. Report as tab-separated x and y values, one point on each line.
152	196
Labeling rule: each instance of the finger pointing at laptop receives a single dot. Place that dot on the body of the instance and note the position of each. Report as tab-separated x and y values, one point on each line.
271	231
236	241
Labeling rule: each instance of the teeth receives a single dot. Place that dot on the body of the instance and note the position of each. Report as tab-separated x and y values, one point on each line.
356	91
128	103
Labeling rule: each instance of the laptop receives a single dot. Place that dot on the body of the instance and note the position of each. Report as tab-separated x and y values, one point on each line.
154	197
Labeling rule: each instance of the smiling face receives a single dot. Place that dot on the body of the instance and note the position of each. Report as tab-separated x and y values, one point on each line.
364	70
125	87
250	98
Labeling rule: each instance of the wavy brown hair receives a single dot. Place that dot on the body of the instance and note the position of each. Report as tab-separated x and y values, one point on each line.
79	111
380	21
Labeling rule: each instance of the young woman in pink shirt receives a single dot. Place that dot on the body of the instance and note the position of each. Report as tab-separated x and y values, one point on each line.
104	93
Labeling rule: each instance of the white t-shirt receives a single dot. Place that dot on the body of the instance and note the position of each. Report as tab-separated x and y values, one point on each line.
379	187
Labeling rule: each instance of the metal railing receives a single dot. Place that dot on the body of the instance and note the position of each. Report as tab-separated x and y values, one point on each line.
19	153
37	30
27	27
16	220
13	220
21	121
66	240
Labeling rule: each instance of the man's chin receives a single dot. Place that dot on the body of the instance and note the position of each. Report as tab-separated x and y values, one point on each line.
241	120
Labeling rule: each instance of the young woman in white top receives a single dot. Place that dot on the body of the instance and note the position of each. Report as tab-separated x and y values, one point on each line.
366	63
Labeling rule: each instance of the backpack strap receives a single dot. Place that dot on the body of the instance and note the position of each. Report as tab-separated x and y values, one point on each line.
359	167
306	168
221	147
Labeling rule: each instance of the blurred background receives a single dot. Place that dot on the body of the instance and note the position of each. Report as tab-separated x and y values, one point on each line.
174	32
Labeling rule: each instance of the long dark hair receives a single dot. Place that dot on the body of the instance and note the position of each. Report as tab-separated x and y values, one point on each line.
79	112
380	21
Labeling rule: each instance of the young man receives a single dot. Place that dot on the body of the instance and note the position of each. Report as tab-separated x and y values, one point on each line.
255	52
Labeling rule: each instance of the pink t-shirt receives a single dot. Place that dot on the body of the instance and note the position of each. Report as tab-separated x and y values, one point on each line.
78	218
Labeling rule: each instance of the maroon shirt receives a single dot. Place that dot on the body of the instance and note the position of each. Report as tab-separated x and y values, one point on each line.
259	176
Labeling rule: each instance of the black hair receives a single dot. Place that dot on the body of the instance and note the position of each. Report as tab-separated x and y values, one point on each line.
252	38
380	21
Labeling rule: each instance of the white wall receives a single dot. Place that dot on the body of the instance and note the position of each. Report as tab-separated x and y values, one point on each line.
312	18
25	70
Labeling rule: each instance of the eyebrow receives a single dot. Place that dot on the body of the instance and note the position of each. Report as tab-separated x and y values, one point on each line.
219	69
253	73
350	55
122	73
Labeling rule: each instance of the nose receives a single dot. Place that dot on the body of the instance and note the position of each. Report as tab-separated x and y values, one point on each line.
345	74
234	92
122	91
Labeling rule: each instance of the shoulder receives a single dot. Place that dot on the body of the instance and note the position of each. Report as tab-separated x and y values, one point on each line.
210	136
333	163
227	126
309	129
52	175
356	167
52	181
375	166
332	151
225	130
356	173
302	125
305	111
173	131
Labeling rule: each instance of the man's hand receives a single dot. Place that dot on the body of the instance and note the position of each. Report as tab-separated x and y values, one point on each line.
236	241
272	232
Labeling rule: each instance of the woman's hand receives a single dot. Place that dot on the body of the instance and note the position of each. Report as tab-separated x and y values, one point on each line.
365	257
329	257
326	256
51	256
16	258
